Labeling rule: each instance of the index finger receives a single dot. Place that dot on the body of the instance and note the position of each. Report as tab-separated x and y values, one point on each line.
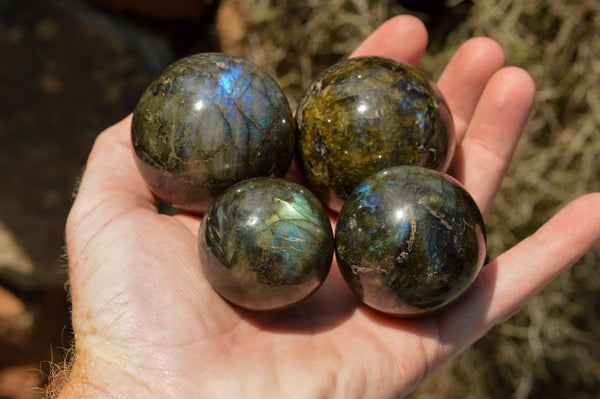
402	38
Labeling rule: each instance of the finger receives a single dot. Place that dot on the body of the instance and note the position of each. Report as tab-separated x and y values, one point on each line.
510	281
465	77
189	221
484	154
403	38
111	183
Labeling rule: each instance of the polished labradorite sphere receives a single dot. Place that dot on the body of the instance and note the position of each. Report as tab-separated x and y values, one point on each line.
266	243
410	240
209	121
366	114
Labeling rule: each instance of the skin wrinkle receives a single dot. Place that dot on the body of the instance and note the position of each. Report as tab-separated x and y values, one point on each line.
90	244
150	364
84	390
76	216
109	300
78	213
117	302
83	282
75	253
120	151
277	374
372	385
311	344
372	375
174	365
313	382
227	388
491	284
161	387
329	375
190	222
485	146
407	367
209	297
94	350
432	361
404	368
225	349
332	372
485	282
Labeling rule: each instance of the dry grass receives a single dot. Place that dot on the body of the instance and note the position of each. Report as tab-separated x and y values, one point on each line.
548	350
296	40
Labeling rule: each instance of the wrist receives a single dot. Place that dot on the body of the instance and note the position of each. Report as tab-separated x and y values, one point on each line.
72	381
92	376
79	388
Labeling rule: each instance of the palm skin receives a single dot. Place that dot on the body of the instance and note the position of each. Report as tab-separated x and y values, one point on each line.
148	324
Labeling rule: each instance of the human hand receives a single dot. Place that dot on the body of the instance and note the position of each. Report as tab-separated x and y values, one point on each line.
148	324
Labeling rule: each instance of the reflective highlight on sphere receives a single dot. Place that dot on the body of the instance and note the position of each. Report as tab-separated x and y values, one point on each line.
367	114
266	243
410	241
209	121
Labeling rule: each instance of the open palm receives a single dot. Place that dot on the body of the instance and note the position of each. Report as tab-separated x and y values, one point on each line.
148	324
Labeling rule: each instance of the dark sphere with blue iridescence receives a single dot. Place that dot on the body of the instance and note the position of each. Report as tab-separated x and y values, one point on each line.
410	241
366	114
266	243
209	121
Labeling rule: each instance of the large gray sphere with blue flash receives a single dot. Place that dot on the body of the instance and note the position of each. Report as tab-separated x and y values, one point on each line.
207	122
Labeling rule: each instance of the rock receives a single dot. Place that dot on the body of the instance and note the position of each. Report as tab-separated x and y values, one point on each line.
15	265
20	382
